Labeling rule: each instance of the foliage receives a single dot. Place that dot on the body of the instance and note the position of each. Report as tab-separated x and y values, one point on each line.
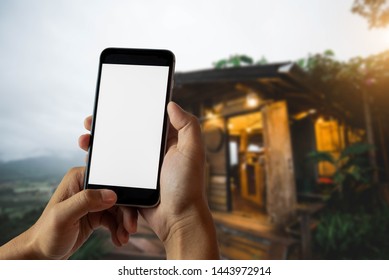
352	170
359	235
375	11
346	85
342	83
238	61
234	61
354	224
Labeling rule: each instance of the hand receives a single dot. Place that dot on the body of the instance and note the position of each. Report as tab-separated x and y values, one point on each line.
182	219
68	220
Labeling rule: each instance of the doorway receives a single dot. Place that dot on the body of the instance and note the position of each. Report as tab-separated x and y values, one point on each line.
247	162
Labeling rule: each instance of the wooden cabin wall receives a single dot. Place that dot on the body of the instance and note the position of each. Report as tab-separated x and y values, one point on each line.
214	133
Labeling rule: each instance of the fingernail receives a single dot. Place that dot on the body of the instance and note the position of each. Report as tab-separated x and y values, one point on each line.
108	196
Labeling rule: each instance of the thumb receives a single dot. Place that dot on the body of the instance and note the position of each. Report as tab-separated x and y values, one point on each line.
74	208
187	125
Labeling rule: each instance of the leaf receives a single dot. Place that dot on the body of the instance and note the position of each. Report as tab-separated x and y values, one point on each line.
321	156
329	53
355	172
301	63
220	64
262	61
234	60
339	178
246	59
356	149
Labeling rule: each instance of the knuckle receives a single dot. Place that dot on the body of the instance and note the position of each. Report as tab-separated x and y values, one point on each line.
72	171
87	197
77	173
193	119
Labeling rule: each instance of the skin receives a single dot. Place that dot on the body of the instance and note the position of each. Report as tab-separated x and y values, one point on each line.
68	220
181	220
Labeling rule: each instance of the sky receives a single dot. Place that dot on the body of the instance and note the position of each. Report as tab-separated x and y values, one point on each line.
49	52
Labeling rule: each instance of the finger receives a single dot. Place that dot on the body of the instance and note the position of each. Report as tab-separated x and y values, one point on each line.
130	219
121	233
108	221
71	184
187	125
83	141
88	123
172	137
74	208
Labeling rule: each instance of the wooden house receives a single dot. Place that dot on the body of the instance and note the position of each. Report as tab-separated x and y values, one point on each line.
259	123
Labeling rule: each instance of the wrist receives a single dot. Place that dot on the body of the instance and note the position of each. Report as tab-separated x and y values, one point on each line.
22	247
193	236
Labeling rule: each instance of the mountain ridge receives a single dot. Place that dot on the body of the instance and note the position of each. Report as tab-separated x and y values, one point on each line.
38	168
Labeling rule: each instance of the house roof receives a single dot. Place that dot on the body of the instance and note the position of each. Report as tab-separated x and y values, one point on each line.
273	81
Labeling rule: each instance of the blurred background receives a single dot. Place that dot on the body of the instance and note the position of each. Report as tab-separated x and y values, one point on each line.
291	96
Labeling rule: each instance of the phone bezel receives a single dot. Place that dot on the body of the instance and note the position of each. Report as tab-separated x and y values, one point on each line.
128	195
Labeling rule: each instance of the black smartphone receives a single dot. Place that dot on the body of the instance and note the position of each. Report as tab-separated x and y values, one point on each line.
130	124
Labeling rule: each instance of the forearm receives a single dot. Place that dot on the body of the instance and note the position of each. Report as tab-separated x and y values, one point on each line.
19	248
193	238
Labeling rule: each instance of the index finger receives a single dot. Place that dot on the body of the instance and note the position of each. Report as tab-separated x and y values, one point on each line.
88	123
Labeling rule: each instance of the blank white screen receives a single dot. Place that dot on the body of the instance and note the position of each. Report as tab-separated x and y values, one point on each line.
128	128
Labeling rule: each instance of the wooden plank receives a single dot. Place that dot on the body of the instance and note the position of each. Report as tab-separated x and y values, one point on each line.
238	248
252	227
218	200
281	190
218	207
218	191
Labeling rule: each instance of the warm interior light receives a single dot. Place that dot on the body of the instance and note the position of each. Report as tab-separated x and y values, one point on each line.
252	100
209	114
304	114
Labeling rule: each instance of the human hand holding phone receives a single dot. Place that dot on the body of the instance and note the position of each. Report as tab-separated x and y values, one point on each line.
182	219
69	218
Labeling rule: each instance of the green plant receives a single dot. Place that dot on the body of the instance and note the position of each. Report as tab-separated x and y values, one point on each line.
234	61
358	235
354	225
352	170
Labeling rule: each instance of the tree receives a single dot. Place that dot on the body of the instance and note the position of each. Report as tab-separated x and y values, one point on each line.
238	61
358	88
375	11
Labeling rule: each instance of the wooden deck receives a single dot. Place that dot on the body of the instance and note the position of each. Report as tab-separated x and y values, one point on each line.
243	237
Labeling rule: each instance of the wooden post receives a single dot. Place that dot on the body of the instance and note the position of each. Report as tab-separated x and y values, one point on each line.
281	197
